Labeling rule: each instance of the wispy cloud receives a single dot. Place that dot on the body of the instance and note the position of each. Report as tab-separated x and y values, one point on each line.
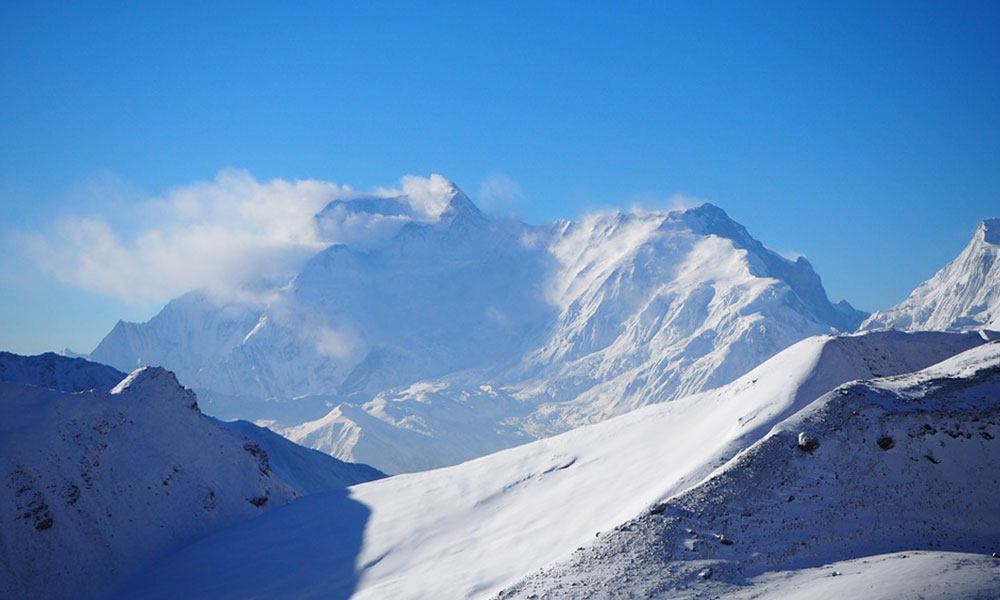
500	194
226	236
656	202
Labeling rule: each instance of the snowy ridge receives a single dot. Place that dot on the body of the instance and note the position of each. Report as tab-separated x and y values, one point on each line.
57	372
874	469
97	483
470	530
962	296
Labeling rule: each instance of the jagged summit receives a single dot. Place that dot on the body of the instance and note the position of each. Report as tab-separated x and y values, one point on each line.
156	382
709	219
363	222
435	200
964	295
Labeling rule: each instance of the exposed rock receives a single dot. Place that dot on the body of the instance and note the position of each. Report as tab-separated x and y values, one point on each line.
807	443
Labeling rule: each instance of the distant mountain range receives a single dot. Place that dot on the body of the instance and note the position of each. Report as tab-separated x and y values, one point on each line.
448	338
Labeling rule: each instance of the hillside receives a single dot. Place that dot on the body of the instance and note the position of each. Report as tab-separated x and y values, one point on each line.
98	483
475	528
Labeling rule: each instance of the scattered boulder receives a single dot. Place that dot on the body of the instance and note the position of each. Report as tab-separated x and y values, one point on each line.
706	574
807	443
886	443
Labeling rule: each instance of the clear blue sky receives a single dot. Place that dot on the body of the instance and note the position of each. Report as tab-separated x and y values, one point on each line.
863	135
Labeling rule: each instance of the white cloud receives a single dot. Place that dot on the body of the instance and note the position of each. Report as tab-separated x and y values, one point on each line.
500	194
428	197
227	236
335	343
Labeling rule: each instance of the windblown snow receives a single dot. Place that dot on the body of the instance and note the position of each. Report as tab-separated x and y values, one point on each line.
447	338
472	530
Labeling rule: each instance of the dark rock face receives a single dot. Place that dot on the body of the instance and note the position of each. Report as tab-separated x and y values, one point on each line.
886	443
807	443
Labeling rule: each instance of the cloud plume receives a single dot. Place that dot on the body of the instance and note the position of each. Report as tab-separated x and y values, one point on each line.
228	236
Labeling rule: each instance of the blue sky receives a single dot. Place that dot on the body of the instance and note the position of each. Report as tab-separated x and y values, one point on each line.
863	135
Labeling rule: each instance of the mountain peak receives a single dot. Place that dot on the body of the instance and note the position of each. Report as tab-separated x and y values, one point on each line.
156	381
707	208
435	198
460	204
964	295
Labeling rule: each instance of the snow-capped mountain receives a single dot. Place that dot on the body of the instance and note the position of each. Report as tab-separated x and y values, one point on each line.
430	299
464	334
97	483
470	530
962	296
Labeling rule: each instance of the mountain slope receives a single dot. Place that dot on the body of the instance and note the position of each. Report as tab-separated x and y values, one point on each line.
58	372
471	529
307	471
962	296
97	483
893	465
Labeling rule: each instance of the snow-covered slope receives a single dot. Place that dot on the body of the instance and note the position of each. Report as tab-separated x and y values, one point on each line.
472	529
307	471
97	483
962	296
876	468
464	334
57	372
